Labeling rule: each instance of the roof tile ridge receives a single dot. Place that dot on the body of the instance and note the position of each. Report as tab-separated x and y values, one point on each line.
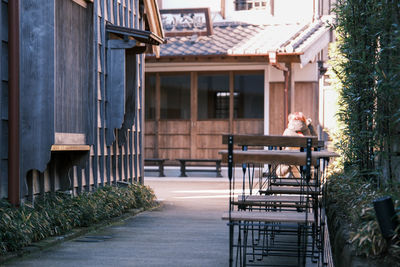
303	35
221	24
239	48
284	45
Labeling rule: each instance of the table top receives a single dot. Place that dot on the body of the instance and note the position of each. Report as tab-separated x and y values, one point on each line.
271	140
290	157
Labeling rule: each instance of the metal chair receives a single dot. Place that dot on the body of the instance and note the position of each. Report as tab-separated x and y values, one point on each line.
264	225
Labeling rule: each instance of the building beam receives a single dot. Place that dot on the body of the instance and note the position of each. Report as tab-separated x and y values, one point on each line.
231	101
13	104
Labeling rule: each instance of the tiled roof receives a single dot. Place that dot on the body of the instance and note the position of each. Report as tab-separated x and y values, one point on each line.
223	39
270	38
246	39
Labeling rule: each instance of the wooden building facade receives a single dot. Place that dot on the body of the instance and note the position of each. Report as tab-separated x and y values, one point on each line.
239	78
4	99
82	93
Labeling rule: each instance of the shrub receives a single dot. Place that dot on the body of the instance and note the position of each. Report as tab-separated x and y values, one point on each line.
349	202
57	213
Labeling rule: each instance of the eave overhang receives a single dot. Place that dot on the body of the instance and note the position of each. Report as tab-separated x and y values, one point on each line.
146	37
281	57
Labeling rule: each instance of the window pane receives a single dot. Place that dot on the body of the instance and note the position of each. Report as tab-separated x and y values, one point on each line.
213	96
175	96
150	97
250	4
249	96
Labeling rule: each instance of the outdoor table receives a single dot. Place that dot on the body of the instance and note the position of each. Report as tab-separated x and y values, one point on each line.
295	210
290	157
276	157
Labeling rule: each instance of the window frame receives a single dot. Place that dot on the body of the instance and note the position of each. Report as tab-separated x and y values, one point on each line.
180	73
253	72
246	5
199	73
147	97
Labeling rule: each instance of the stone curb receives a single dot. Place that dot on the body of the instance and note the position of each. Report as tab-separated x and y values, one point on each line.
74	233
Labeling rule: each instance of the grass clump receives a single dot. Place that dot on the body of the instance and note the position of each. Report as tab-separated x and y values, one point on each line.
57	213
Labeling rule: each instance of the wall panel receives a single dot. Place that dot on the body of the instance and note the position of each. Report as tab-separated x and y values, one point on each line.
74	45
174	127
212	127
276	108
249	126
306	100
78	90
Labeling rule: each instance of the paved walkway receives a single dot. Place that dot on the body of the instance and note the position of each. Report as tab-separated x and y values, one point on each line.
186	231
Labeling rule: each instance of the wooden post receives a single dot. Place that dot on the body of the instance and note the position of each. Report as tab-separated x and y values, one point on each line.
231	100
13	104
193	114
286	75
266	100
272	7
157	117
223	12
290	85
292	88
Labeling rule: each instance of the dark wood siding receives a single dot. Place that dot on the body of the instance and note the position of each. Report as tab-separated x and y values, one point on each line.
3	99
37	83
74	37
67	89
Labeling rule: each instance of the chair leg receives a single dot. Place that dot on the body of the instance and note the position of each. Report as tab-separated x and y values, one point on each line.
231	244
245	237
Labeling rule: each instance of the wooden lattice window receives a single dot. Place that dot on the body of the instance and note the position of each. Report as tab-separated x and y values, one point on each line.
249	95
252	4
213	96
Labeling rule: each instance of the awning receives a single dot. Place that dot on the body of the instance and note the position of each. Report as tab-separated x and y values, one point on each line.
146	37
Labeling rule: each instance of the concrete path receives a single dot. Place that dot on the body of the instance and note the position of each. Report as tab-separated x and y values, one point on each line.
186	231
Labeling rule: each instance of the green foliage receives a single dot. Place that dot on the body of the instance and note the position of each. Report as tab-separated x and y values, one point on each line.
366	67
57	213
349	202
